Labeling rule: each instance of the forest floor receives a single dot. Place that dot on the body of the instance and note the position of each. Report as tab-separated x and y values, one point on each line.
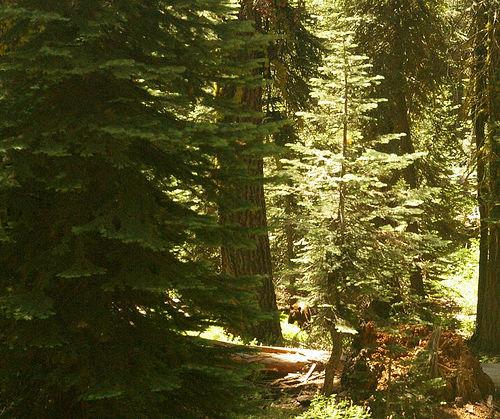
291	392
294	393
290	404
290	395
289	408
471	410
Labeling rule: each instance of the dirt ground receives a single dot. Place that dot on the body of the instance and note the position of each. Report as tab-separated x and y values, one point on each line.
469	411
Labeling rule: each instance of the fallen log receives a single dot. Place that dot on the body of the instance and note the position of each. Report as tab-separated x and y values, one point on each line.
283	362
278	359
294	380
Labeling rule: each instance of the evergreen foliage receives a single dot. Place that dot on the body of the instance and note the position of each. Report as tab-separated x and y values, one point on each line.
293	58
290	59
108	146
353	224
143	147
407	45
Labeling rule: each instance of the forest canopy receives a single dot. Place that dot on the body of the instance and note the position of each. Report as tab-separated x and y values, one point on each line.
200	200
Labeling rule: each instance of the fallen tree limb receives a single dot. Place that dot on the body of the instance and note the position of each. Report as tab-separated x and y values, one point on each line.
309	373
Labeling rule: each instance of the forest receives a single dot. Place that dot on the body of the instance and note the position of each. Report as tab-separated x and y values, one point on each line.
260	209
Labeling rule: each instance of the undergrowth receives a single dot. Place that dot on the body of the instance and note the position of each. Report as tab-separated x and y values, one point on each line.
330	408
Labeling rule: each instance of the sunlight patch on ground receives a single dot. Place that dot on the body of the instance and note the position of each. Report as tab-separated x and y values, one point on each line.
218	333
292	334
462	285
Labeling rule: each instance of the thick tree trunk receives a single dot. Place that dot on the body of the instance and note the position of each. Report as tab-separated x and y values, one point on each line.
488	325
487	75
483	255
256	261
480	119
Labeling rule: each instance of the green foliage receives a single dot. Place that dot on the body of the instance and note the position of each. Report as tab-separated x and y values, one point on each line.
331	408
282	409
406	44
293	335
402	230
112	133
293	58
352	224
108	146
460	285
410	47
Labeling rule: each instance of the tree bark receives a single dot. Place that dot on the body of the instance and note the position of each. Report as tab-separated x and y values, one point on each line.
332	367
256	261
487	75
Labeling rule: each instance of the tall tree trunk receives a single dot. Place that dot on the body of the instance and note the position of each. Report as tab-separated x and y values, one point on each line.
487	78
256	261
479	119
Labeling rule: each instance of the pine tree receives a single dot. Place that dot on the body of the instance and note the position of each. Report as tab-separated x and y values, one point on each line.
248	211
108	151
347	256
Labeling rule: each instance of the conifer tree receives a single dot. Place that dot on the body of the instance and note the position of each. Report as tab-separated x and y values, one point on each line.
108	150
294	58
347	257
248	210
